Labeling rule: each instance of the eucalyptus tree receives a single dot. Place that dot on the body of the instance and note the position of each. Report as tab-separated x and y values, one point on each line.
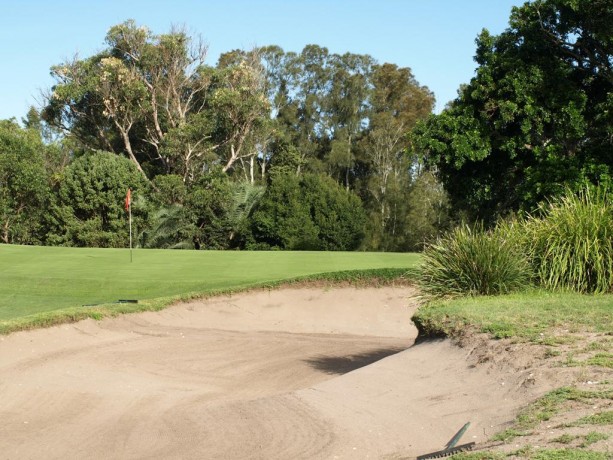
241	109
153	98
128	97
347	111
301	117
384	172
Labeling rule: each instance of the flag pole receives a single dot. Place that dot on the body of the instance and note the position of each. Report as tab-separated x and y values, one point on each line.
128	208
130	213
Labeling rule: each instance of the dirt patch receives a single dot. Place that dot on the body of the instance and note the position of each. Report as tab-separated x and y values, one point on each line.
328	372
575	409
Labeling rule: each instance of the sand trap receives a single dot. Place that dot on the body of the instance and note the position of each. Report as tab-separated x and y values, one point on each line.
294	373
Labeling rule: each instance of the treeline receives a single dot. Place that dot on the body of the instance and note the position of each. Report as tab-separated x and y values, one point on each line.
309	150
267	149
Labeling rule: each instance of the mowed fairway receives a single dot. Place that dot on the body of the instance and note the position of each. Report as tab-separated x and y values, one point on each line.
42	279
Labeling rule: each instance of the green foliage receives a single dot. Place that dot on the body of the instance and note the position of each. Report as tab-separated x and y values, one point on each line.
428	213
412	214
283	218
24	187
245	198
336	213
601	359
207	204
537	115
567	245
347	117
470	261
169	189
308	212
565	439
90	202
169	229
152	99
570	242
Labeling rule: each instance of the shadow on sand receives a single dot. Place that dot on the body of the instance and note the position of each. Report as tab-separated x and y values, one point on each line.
343	364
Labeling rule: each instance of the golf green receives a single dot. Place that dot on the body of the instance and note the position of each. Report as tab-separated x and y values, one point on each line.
38	279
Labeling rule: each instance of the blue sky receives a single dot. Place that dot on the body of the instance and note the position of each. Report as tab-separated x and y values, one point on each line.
435	38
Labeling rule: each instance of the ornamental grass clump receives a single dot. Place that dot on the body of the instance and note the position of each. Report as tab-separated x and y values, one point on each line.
571	244
471	261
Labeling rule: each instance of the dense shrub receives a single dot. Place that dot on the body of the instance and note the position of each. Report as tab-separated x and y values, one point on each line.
570	242
471	261
24	188
309	212
90	203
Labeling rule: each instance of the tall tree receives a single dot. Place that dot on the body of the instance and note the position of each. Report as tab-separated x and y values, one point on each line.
397	103
131	95
153	98
242	110
301	114
537	115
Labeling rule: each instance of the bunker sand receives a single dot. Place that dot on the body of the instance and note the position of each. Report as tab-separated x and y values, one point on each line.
295	373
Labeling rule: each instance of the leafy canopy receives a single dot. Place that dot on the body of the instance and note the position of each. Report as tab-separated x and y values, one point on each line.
537	116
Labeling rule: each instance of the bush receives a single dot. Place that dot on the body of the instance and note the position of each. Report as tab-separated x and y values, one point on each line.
309	212
471	261
89	211
571	244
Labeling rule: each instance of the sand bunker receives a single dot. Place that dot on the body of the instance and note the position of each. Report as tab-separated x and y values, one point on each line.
294	373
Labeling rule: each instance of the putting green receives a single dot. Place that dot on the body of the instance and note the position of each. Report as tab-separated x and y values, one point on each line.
39	279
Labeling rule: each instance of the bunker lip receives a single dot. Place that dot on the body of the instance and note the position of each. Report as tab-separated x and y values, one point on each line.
299	372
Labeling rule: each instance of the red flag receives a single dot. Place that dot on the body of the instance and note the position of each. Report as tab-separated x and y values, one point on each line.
128	199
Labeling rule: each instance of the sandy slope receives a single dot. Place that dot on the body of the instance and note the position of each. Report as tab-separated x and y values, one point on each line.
294	373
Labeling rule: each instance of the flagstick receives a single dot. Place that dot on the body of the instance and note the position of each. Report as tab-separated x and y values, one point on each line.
130	213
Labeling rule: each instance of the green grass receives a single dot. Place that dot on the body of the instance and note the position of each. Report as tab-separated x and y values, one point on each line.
546	407
565	438
535	454
593	437
528	315
601	418
568	454
36	282
540	454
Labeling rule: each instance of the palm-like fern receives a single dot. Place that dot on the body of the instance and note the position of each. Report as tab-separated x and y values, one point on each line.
245	197
169	229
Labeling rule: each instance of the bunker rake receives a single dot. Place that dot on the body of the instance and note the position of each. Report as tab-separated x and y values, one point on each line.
451	446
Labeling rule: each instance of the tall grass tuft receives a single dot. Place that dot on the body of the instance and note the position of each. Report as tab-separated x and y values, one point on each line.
471	261
571	244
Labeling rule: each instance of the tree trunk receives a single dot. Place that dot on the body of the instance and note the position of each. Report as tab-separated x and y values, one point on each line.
263	169
5	232
128	145
231	160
